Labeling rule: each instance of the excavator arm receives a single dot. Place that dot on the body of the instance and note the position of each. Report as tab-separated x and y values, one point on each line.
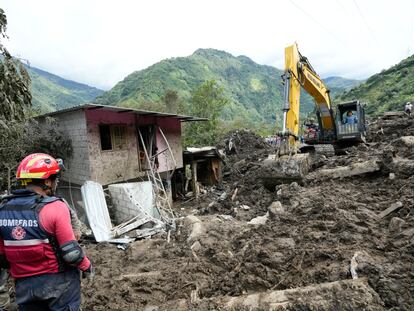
299	73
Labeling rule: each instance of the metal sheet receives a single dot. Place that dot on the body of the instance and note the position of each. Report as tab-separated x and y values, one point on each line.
97	211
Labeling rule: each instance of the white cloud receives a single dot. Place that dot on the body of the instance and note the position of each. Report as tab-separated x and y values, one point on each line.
99	42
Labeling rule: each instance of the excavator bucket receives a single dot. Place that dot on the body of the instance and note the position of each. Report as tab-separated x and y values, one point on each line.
285	169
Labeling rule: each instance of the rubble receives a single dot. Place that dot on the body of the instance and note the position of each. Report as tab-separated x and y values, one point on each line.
300	258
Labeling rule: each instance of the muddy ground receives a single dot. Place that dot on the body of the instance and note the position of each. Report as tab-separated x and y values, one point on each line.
308	240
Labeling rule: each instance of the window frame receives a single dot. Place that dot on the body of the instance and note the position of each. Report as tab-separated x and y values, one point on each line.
116	145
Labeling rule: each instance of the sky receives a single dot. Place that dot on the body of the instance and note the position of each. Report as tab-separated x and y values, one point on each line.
100	42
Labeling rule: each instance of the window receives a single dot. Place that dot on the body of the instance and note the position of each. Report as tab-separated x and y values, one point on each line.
113	137
105	133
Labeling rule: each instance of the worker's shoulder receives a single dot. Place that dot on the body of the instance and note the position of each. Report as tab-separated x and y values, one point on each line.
55	201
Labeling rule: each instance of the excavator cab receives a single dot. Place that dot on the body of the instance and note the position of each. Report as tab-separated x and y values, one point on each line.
354	132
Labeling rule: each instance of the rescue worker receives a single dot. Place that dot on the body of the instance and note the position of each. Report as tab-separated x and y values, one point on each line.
37	242
408	108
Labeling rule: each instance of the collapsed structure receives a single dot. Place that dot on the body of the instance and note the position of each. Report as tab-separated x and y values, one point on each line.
118	145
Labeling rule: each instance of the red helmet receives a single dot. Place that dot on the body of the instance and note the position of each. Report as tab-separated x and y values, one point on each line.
38	166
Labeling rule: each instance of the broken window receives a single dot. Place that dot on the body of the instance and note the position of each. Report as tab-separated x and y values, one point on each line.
149	137
113	137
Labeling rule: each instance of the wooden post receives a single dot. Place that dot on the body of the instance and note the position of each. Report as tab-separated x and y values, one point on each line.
194	178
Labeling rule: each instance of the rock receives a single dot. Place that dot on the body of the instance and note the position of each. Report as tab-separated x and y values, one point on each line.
408	140
395	225
260	220
196	246
223	196
285	242
294	186
225	217
408	232
275	209
402	166
196	227
245	207
391	176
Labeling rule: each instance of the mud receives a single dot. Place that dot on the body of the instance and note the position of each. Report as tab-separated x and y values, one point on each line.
307	240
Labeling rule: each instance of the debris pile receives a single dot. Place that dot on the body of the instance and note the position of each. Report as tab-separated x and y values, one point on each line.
347	240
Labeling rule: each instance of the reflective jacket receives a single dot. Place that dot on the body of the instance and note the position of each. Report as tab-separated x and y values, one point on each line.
28	248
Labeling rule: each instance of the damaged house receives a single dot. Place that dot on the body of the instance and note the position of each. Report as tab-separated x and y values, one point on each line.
112	145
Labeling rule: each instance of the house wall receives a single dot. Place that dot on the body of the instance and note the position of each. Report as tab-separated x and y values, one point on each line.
73	124
171	128
172	131
89	162
109	166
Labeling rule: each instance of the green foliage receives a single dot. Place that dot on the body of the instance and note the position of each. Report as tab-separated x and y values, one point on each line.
19	133
388	90
15	96
51	92
28	136
255	91
207	101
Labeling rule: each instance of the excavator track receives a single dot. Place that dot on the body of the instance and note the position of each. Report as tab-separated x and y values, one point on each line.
327	150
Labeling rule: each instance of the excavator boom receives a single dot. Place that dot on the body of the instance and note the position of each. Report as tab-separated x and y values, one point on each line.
299	73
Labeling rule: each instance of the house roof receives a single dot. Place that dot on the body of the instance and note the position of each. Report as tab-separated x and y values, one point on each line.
182	118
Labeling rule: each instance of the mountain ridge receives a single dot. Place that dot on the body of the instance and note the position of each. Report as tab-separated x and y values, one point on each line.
255	91
51	92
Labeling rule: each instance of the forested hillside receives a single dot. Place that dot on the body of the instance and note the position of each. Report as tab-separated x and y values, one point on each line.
255	91
51	92
388	90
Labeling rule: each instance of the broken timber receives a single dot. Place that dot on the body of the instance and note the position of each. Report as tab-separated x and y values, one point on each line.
323	296
346	171
395	206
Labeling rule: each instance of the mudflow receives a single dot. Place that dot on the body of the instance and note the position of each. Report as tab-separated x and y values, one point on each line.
327	243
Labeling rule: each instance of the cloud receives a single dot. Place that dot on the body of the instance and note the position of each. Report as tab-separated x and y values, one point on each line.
100	42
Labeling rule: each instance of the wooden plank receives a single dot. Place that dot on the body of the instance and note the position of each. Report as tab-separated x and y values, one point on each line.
196	190
395	206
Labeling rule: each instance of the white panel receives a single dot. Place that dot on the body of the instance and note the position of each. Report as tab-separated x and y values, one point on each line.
96	210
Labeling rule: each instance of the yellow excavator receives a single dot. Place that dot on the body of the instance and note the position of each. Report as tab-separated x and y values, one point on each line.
343	127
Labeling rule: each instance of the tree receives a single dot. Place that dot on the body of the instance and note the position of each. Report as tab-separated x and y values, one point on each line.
171	101
15	94
19	133
207	101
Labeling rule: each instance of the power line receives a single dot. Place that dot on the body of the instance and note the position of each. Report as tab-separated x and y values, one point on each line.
365	22
317	22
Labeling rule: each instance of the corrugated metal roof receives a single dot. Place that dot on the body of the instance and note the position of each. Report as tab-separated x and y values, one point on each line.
183	118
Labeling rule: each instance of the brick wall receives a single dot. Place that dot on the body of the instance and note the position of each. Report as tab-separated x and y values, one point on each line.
73	124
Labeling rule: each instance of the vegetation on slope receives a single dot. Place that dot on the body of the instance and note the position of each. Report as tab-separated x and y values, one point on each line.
388	90
254	91
51	92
